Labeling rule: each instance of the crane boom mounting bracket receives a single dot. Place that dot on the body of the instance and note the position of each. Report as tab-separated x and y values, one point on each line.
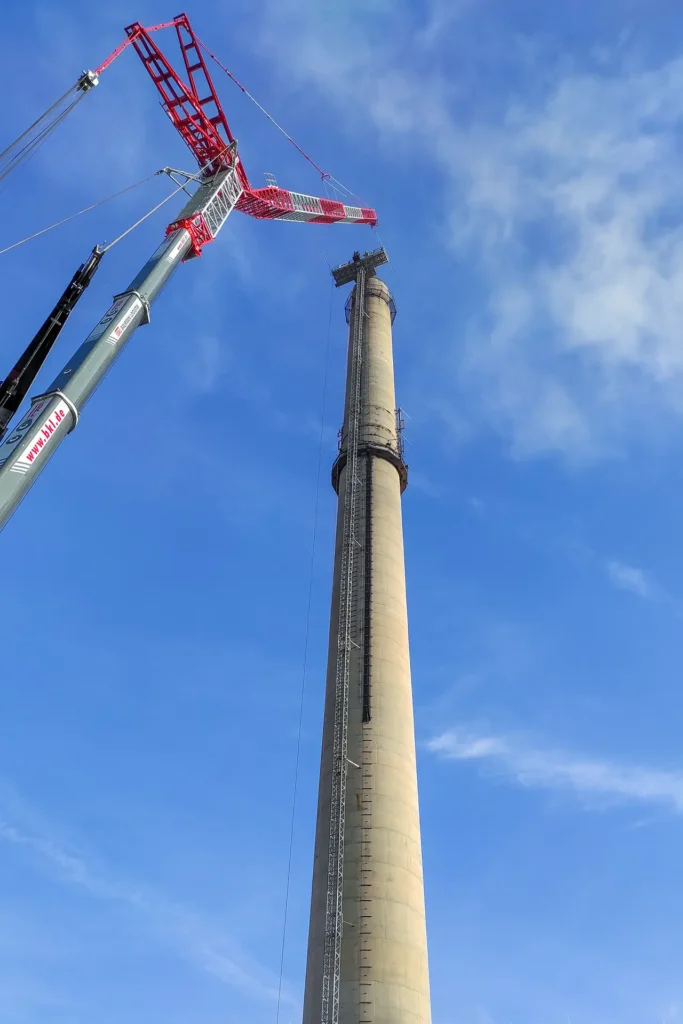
208	209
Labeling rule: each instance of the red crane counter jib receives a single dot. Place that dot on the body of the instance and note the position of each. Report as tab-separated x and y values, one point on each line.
196	112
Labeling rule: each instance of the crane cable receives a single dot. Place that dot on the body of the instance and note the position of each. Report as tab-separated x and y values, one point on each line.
181	188
37	122
33	144
31	148
304	670
323	174
114	195
100	202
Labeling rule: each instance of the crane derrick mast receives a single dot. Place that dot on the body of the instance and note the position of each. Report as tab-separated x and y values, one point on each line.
195	110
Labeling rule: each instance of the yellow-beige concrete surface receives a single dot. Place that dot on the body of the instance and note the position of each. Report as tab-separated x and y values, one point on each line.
384	972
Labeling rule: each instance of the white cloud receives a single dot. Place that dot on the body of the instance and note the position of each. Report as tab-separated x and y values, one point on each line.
566	199
627	577
206	363
195	939
548	768
584	249
441	16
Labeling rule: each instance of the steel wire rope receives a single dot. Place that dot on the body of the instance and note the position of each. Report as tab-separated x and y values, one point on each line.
389	263
314	538
93	206
181	188
38	120
32	147
27	153
40	136
114	195
323	174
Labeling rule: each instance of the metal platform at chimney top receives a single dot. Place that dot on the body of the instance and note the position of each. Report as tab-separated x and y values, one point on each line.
348	272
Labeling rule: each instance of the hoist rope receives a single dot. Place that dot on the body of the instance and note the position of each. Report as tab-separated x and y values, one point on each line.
86	209
389	263
34	144
297	760
38	120
181	188
114	195
323	174
262	109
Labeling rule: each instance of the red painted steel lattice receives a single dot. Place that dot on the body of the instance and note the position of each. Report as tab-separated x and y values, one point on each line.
196	112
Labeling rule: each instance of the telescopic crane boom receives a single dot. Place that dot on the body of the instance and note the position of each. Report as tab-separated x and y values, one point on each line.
17	384
196	112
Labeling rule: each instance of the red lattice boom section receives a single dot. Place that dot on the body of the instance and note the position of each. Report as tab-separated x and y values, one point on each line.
197	114
281	204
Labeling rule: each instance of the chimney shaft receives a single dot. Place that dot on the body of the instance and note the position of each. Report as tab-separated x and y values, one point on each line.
367	949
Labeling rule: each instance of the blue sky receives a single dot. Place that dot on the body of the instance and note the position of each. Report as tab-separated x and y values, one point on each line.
525	162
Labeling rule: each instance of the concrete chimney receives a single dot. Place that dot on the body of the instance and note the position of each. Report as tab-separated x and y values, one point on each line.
367	947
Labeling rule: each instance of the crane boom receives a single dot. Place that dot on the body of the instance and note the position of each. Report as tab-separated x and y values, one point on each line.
196	112
54	414
17	384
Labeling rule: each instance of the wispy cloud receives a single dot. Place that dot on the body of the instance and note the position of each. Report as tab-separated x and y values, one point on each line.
566	199
441	17
628	577
191	936
549	768
582	238
206	363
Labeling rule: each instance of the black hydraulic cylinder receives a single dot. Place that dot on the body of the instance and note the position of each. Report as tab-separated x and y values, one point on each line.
20	379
